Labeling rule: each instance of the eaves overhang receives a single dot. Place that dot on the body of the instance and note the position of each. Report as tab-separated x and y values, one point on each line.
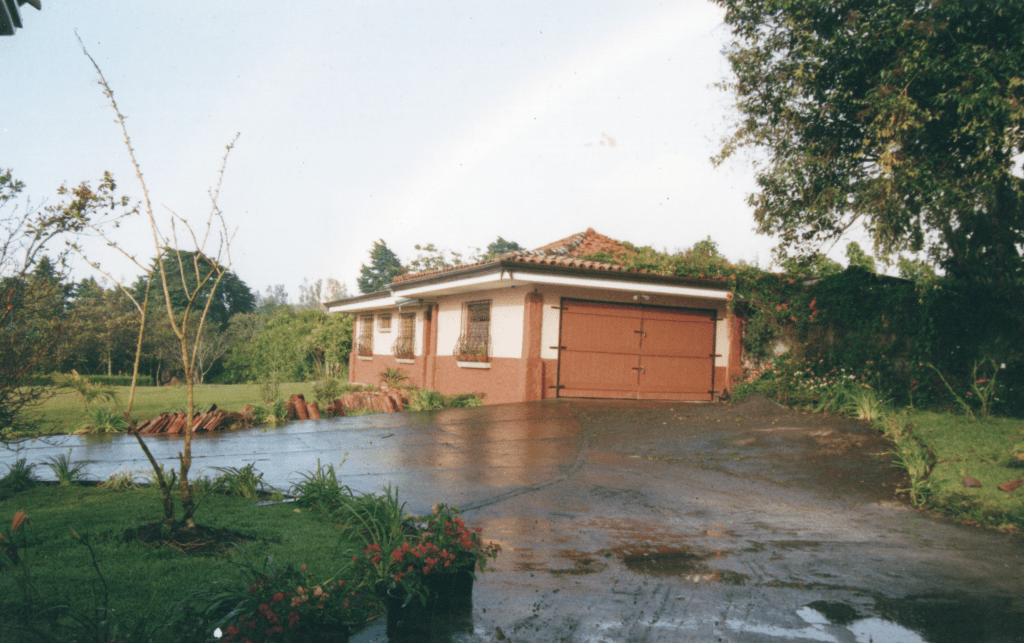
515	273
512	274
369	301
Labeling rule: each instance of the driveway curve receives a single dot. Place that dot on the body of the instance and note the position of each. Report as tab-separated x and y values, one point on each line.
658	521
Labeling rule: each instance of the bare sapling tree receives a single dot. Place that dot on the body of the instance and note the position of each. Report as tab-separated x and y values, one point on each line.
200	272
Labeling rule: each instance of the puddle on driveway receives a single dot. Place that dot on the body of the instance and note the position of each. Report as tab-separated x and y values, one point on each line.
915	620
668	562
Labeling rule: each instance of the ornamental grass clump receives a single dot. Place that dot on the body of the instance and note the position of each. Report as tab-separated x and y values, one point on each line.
66	471
244	482
19	477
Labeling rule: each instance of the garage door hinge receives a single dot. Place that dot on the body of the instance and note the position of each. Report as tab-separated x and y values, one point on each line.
714	355
557	348
638	368
557	386
560	307
642	332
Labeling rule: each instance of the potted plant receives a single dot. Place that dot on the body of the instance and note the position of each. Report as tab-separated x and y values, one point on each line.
446	531
442	557
431	567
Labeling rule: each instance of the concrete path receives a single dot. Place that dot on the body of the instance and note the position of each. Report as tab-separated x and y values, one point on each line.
625	521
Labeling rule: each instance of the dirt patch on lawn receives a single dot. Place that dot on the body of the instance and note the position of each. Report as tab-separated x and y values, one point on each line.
198	541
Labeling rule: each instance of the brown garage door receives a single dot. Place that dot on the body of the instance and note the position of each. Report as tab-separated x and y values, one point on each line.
637	352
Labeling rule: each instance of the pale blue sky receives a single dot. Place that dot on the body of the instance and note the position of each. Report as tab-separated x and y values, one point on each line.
415	122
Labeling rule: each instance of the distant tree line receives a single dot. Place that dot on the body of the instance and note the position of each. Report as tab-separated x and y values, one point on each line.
50	322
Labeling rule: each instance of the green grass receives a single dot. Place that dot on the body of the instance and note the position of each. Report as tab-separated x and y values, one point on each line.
64	413
980	450
142	580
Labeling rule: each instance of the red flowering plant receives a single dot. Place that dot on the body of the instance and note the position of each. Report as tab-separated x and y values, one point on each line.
457	546
286	605
440	544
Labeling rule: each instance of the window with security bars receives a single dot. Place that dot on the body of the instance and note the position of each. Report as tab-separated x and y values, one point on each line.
364	344
475	341
405	343
384	322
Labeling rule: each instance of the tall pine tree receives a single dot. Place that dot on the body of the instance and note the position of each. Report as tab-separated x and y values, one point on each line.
384	266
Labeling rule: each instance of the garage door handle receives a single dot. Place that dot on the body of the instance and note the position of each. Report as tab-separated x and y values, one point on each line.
638	368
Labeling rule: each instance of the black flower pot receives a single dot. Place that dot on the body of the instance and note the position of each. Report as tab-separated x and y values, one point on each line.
454	590
408	618
335	633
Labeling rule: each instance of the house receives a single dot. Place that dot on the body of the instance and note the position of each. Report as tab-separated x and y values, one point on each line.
548	323
10	15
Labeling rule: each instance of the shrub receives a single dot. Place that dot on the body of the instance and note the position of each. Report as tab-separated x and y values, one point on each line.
392	377
320	489
285	604
865	404
66	473
270	388
244	483
327	391
170	475
121	380
102	419
915	459
19	476
272	413
425	399
121	481
89	391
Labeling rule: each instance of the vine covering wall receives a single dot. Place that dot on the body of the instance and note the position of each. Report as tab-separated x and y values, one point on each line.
880	330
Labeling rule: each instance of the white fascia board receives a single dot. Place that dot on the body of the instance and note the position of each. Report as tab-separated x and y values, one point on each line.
472	283
522	278
360	306
628	286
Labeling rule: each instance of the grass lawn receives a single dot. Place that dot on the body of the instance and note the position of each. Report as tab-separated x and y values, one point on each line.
65	412
984	451
143	581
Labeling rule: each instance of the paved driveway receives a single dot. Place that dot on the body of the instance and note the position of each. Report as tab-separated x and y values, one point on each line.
662	522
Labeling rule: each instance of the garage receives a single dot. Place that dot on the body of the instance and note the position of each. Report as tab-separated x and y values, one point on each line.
637	352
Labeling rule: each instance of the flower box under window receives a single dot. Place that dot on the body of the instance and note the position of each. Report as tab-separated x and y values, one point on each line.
475	341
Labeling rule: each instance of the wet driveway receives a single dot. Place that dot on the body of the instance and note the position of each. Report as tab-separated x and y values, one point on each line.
657	521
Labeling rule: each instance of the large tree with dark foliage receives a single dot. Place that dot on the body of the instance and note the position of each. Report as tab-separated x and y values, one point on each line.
384	266
906	116
192	276
499	247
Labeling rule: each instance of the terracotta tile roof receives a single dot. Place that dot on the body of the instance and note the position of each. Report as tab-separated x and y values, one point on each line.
564	252
582	244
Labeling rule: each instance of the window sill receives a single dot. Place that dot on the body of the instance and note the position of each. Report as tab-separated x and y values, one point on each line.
405	360
473	364
365	358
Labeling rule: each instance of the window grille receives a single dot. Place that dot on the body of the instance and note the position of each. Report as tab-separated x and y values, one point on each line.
364	345
475	340
405	343
384	322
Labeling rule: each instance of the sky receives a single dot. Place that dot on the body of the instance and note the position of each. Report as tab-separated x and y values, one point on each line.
450	123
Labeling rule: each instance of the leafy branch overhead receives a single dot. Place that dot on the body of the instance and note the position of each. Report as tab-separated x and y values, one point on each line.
900	116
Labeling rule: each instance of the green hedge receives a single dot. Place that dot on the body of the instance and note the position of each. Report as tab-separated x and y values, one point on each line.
106	380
